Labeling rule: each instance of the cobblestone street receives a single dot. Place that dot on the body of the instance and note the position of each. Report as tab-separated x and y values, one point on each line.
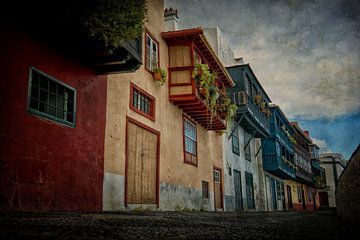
175	225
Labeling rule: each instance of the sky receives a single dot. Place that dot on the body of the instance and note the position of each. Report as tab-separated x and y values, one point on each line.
305	53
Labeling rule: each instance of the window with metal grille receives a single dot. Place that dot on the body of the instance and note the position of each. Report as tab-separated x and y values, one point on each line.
235	142
142	102
50	98
190	141
151	52
217	176
247	138
205	189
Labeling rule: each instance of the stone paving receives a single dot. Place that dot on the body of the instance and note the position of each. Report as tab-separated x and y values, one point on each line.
175	225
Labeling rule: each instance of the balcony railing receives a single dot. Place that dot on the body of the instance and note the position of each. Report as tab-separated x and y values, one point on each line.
184	94
304	175
277	166
281	136
253	118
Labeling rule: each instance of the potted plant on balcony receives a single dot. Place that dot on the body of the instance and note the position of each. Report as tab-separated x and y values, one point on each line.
159	74
257	99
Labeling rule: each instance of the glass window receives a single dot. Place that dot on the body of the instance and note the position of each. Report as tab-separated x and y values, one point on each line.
190	140
152	53
142	102
51	98
235	142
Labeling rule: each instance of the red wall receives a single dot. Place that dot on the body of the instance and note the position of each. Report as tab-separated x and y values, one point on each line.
44	165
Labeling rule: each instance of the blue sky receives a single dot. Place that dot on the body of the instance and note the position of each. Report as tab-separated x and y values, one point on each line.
305	53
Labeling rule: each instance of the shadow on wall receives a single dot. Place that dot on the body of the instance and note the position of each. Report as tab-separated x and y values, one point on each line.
348	190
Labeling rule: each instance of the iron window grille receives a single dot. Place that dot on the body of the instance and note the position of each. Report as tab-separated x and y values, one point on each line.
51	98
142	102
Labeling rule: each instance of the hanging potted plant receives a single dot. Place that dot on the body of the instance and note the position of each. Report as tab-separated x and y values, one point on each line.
257	99
230	116
159	75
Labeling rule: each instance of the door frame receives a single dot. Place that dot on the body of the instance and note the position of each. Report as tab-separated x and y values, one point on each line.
221	187
157	133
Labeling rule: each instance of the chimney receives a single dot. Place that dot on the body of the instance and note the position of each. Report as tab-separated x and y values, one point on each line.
170	18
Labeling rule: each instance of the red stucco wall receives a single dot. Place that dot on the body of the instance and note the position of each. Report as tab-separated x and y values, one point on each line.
45	165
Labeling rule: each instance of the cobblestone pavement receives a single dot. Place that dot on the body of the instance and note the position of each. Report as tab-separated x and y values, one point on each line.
175	225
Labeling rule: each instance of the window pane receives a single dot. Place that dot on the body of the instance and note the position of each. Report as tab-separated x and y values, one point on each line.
35	93
44	83
43	96
52	99
34	104
52	87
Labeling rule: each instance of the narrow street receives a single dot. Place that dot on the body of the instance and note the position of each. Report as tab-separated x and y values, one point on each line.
175	225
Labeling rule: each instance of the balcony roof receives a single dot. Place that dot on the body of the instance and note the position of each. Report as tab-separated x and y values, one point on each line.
282	115
252	72
300	132
197	37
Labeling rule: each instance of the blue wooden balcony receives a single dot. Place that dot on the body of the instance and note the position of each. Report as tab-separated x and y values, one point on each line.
249	114
276	165
280	135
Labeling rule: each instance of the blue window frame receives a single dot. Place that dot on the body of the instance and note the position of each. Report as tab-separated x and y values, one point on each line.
50	98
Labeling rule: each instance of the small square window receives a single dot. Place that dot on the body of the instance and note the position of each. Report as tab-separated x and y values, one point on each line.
51	98
142	102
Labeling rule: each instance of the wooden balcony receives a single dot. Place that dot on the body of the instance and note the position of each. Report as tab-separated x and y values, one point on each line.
184	45
277	166
195	107
250	116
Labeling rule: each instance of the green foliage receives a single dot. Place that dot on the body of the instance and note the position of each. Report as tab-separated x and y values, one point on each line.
114	21
162	72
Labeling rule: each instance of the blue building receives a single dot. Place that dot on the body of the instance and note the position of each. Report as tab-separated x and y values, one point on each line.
278	158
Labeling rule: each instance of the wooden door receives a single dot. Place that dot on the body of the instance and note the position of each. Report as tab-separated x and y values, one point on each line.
141	165
238	191
217	189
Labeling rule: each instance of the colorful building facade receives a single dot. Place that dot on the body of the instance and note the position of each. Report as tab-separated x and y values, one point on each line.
52	140
278	158
157	139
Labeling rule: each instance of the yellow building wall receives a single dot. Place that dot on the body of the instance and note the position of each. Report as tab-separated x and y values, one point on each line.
168	121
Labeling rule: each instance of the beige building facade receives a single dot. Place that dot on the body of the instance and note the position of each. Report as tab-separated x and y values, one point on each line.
147	163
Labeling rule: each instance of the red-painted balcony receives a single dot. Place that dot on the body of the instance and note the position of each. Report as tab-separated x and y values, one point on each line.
186	48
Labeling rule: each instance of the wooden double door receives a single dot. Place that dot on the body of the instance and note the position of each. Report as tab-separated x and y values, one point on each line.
141	164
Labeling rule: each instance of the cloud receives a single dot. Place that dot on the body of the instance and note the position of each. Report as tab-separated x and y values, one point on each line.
306	54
